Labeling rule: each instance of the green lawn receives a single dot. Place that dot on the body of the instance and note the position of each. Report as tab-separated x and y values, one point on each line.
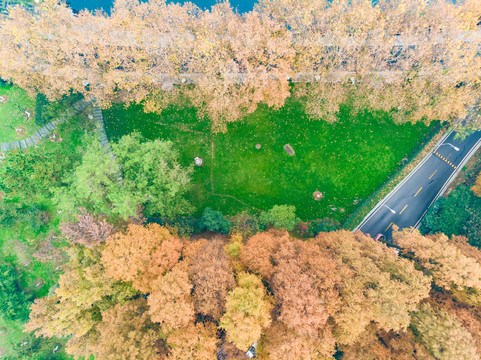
346	161
11	115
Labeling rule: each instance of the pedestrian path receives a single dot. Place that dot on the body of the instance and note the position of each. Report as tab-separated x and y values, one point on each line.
45	131
104	141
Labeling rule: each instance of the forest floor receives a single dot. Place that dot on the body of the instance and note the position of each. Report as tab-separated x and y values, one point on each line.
346	161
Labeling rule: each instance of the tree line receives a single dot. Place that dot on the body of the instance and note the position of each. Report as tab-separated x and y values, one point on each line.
144	291
414	58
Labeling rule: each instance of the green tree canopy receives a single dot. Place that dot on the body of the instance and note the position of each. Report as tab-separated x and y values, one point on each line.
457	214
214	221
144	173
14	302
152	177
282	217
247	311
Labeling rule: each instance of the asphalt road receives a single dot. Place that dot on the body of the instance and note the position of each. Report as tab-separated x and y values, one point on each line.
406	205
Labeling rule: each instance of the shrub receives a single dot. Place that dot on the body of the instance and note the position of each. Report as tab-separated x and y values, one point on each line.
214	221
40	104
14	302
36	217
322	225
185	225
246	224
457	214
282	217
9	213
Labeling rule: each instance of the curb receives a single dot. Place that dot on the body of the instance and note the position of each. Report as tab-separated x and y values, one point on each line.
386	198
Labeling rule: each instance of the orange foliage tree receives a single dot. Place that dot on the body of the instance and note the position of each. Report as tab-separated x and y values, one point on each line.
413	57
126	332
212	278
195	341
141	254
73	309
170	301
450	267
379	286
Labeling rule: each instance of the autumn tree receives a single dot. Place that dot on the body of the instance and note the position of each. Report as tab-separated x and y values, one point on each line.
87	230
212	278
468	316
476	188
285	344
170	302
409	57
301	307
374	343
443	334
74	307
305	282
126	332
379	286
247	311
259	249
450	268
141	255
195	341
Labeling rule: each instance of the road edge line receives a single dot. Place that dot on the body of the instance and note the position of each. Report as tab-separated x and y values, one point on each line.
406	178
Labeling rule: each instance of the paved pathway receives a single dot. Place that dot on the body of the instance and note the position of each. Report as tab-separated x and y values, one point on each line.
45	131
407	204
104	141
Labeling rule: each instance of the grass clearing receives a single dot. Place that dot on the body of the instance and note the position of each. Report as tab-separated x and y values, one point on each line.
12	115
346	161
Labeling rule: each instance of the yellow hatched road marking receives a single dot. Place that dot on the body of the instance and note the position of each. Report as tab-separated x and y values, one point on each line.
432	174
403	209
388	226
418	191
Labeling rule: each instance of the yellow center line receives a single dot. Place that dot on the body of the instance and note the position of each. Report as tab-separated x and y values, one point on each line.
388	226
432	174
418	191
403	209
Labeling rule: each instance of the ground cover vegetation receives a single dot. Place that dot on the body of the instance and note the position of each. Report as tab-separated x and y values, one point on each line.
346	161
21	115
412	56
459	212
15	124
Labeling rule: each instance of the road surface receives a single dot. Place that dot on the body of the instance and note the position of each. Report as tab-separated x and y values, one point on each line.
406	205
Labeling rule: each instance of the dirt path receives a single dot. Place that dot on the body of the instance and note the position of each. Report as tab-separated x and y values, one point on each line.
212	181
